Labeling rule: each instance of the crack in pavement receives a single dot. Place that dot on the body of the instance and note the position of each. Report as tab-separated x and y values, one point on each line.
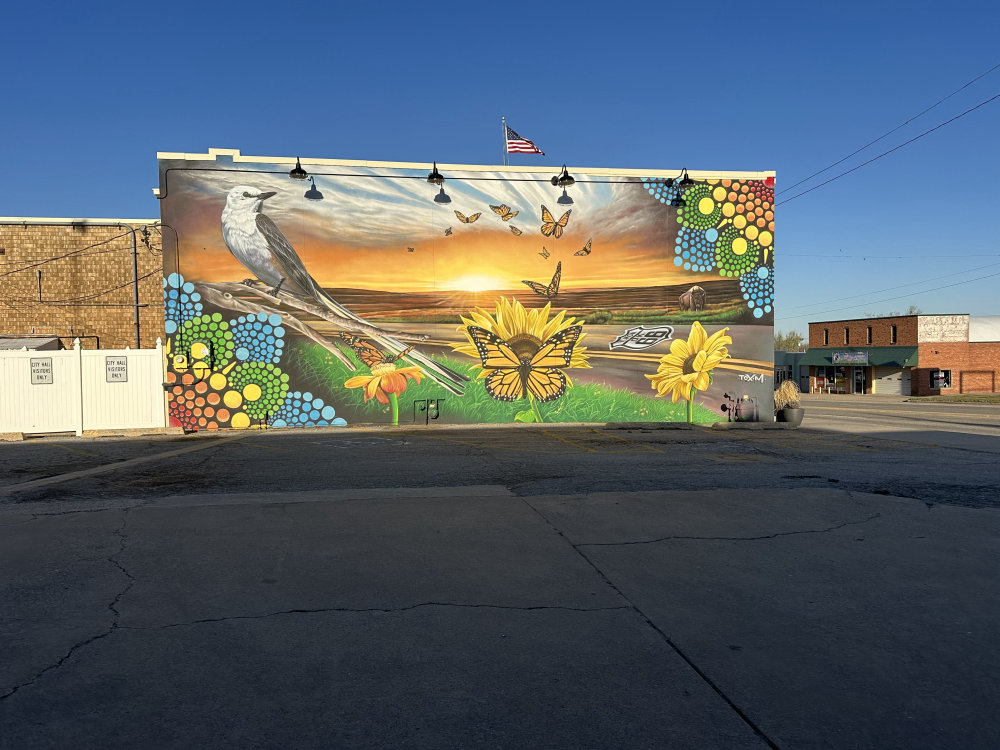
113	606
660	633
362	610
728	538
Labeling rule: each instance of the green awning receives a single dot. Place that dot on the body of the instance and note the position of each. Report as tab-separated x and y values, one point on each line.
877	356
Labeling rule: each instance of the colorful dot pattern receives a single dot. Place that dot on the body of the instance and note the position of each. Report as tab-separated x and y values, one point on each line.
659	190
262	385
734	255
726	226
695	249
210	330
258	337
302	410
699	210
225	374
180	302
757	286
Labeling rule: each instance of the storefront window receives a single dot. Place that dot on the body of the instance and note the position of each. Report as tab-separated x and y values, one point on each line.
940	379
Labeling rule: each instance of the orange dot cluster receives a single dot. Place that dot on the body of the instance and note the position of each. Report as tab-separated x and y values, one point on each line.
195	404
753	200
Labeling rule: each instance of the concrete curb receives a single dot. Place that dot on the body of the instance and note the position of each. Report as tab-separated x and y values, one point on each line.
134	432
11	437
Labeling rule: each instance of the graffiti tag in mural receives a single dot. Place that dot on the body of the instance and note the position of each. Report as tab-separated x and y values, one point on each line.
642	337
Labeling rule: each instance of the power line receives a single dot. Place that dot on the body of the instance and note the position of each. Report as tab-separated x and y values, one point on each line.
890	132
901	296
60	257
893	288
891	150
887	257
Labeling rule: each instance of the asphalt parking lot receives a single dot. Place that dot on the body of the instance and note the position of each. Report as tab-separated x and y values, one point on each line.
564	586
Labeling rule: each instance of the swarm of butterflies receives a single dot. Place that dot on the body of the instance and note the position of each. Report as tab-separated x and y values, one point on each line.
551	227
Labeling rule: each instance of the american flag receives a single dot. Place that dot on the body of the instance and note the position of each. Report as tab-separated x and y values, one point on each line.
518	145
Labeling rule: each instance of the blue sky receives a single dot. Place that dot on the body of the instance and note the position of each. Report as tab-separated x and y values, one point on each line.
93	92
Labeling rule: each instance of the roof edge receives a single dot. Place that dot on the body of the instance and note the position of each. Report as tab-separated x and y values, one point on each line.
238	158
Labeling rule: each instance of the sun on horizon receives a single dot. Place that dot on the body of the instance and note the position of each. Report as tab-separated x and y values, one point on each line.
476	283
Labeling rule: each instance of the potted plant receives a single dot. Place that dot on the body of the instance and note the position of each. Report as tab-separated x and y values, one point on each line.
786	404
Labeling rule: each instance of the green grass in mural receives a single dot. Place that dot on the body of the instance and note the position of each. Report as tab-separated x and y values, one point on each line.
583	402
629	317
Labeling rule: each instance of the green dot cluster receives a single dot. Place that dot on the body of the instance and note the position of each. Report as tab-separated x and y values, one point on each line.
728	262
690	216
273	387
210	330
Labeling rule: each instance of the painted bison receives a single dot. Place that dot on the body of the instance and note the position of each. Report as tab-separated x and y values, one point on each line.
693	299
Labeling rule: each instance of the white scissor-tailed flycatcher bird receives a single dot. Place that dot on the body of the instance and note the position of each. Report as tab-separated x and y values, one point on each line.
260	246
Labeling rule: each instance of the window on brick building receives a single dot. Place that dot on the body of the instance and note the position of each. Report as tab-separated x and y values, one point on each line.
847	335
940	379
892	334
826	337
869	335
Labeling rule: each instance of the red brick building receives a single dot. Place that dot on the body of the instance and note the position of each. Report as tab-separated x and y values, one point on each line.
918	355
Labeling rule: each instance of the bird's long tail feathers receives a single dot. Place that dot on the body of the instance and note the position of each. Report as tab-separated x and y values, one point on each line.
442	375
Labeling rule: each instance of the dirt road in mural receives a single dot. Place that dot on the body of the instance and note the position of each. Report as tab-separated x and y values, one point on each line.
637	299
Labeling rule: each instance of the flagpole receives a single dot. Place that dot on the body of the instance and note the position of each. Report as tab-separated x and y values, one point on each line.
503	126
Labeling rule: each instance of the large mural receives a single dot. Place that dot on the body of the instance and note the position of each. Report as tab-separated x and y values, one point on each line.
363	294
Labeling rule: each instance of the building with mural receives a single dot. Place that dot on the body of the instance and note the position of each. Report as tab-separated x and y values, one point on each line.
374	292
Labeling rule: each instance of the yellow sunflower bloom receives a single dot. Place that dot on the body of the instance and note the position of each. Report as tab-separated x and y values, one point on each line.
520	328
688	366
384	380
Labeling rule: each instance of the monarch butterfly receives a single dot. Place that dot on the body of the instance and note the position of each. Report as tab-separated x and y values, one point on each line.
521	368
410	249
552	289
545	253
466	219
447	232
504	212
369	355
517	232
551	227
586	248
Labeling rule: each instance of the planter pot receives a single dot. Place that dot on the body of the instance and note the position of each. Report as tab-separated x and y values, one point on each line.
791	416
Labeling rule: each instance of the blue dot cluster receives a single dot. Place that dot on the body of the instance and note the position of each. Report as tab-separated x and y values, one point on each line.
302	410
180	301
258	337
757	286
695	249
659	190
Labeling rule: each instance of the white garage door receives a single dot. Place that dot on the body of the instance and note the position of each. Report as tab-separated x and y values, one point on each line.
892	381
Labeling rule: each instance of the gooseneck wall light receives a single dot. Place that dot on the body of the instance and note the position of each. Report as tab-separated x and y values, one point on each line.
298	173
435	177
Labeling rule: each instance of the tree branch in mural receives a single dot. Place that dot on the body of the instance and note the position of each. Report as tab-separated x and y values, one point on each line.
256	242
222	296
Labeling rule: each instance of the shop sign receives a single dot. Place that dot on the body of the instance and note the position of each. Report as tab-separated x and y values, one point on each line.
850	358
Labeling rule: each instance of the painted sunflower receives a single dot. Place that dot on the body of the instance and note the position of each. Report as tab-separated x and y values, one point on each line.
689	364
384	381
521	329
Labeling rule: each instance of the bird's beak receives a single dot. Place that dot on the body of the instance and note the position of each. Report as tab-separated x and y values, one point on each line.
265	196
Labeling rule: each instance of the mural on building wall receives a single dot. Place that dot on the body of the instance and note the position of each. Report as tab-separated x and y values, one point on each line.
368	295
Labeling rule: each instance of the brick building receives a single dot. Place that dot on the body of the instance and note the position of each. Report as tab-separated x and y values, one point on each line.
99	280
918	355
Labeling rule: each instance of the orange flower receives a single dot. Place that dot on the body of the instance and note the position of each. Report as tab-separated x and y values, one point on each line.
385	379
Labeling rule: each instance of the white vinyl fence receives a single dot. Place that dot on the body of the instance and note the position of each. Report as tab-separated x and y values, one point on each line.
81	389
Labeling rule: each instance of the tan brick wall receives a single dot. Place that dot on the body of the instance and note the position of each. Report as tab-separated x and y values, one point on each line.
86	284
